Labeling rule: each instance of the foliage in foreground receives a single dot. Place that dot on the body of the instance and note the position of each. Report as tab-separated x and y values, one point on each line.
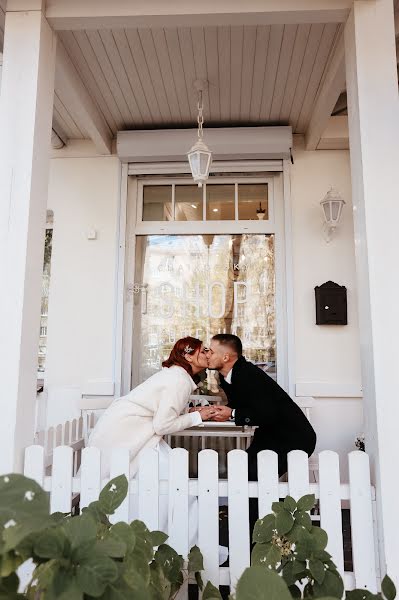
84	557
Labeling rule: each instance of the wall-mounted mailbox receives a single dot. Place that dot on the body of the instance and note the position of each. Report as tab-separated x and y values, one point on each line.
331	305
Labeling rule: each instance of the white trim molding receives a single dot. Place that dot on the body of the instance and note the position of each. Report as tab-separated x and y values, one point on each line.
226	143
326	389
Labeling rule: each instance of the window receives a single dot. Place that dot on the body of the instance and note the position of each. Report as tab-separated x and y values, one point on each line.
45	294
224	201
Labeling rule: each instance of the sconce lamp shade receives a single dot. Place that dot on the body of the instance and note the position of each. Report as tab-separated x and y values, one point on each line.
332	205
199	158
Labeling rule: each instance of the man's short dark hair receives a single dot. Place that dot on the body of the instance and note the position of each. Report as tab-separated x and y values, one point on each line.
230	340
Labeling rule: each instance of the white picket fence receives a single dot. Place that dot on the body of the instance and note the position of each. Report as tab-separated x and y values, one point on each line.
358	494
70	433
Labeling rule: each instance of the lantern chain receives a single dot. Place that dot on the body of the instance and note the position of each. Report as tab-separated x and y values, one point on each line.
200	118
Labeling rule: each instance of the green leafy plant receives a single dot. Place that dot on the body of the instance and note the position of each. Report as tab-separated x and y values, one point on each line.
85	556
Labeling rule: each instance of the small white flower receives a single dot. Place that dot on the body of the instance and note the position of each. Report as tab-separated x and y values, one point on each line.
29	495
6	479
112	488
10	523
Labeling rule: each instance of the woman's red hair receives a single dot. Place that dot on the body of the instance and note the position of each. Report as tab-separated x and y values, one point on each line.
187	345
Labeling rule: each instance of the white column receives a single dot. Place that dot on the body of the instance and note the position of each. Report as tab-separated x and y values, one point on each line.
372	87
26	103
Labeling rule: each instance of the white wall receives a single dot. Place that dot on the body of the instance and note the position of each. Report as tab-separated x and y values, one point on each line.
327	357
84	195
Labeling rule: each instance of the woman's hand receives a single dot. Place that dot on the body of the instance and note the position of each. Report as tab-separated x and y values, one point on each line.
207	412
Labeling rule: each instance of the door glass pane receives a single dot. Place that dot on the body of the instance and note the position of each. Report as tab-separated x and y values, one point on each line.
157	203
220	202
252	201
188	203
201	285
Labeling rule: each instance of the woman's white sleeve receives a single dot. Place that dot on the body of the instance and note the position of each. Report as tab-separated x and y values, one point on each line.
168	418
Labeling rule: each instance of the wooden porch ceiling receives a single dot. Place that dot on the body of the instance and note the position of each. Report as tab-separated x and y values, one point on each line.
143	78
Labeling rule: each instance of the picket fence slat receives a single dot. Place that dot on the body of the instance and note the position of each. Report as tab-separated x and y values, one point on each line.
61	480
208	513
178	501
239	547
120	465
148	501
267	481
364	563
90	476
34	464
149	493
298	474
330	505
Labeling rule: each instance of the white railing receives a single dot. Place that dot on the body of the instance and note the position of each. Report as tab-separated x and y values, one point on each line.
358	494
71	433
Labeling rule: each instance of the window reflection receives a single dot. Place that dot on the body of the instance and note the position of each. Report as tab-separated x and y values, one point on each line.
220	202
188	203
157	203
201	285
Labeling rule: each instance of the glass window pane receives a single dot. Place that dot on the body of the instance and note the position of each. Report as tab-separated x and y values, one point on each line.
188	203
201	285
252	200
157	203
220	202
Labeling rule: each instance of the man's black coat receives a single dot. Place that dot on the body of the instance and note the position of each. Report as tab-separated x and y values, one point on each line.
259	400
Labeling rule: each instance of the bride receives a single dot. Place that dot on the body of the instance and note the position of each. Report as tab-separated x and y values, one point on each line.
155	408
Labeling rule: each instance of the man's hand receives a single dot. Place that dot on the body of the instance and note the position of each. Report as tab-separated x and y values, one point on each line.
222	413
207	413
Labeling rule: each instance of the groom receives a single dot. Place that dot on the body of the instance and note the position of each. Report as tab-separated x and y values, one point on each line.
254	398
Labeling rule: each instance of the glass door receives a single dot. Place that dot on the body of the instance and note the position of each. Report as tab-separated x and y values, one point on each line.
200	285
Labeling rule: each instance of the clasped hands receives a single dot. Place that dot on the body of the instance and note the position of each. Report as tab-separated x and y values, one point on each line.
213	413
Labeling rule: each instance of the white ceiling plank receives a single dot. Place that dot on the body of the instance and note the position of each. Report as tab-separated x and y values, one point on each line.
91	58
287	47
187	53
247	79
224	72
316	32
294	71
102	14
173	44
212	61
324	51
119	70
71	127
166	69
201	72
156	74
74	94
132	74
69	42
237	41
59	121
176	61
57	127
106	67
273	56
261	52
331	87
138	56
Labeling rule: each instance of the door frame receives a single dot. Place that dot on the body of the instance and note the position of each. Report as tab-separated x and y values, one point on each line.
279	177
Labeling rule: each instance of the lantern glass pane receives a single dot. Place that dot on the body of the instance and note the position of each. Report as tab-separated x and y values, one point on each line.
194	163
157	203
204	162
220	202
188	203
327	212
335	210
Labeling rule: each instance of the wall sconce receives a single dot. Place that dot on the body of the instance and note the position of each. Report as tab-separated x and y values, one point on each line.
332	205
